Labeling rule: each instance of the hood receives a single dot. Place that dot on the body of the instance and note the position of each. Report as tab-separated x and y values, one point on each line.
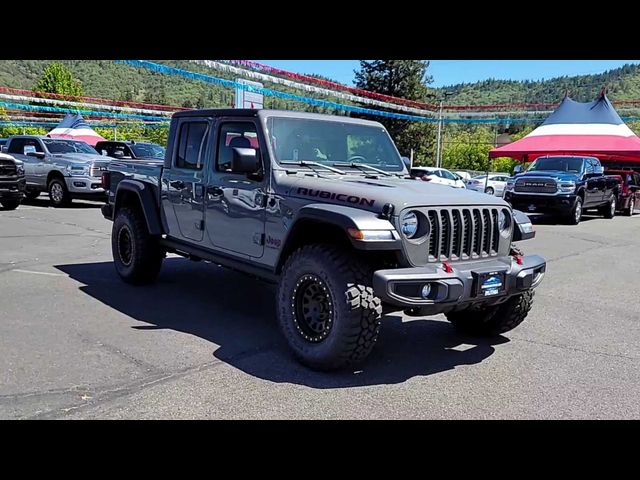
82	157
373	193
4	156
558	175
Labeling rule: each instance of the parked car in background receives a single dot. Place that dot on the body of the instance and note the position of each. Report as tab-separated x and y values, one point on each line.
12	182
629	194
564	185
437	175
463	175
129	150
493	185
66	169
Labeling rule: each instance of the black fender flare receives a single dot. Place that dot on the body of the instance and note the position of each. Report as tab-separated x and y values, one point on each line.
148	203
522	228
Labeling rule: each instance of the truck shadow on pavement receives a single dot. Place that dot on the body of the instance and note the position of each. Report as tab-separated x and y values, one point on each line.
237	313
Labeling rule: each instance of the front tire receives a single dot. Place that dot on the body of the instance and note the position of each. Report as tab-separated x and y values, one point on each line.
58	193
137	255
632	205
576	213
489	191
10	204
32	194
493	320
609	210
327	310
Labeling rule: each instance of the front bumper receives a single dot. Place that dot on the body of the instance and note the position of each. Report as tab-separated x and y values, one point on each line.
541	203
85	185
459	288
12	189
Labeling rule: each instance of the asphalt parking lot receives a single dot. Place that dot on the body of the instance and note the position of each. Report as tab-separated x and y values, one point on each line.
75	342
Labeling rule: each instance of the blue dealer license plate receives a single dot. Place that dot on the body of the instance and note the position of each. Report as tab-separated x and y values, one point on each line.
492	284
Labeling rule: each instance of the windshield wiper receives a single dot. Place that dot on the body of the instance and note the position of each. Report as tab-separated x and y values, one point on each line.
364	167
310	164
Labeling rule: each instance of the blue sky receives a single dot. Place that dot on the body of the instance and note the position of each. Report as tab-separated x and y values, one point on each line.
448	72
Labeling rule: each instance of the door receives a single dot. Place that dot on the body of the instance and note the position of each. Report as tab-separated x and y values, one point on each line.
183	183
634	190
235	203
33	166
594	185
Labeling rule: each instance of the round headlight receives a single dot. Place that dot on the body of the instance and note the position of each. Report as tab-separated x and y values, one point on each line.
504	221
409	224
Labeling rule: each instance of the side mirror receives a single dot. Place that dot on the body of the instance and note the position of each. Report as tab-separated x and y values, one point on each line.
407	163
245	160
39	155
599	170
517	169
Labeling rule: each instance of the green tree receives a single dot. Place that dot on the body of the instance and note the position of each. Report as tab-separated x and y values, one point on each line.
57	78
405	79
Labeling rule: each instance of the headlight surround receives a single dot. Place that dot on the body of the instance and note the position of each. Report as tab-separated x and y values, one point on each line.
409	224
78	170
20	170
504	222
509	186
567	187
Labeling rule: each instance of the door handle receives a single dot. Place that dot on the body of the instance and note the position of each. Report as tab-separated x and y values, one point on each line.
215	191
177	184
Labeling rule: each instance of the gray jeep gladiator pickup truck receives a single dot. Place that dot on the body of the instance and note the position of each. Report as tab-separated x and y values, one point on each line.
66	169
324	207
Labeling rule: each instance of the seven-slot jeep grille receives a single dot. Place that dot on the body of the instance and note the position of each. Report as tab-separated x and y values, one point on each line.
462	233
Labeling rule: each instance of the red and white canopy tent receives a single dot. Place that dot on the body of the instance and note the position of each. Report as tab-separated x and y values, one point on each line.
74	127
575	128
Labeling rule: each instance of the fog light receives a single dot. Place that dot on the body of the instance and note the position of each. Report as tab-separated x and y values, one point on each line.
426	290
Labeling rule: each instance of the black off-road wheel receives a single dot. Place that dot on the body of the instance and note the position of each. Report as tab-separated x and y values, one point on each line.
10	204
493	320
609	210
575	215
137	255
58	193
327	310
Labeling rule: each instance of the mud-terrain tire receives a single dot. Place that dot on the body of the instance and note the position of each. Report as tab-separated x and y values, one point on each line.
10	204
327	310
575	215
493	320
609	210
58	193
137	255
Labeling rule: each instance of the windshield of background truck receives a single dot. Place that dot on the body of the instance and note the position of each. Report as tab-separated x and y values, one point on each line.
147	150
69	146
560	164
329	142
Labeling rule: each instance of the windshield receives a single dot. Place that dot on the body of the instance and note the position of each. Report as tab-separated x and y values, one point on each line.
69	146
329	142
561	164
149	150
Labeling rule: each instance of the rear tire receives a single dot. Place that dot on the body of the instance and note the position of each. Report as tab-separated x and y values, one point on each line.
10	204
58	193
609	210
137	255
575	215
327	310
494	320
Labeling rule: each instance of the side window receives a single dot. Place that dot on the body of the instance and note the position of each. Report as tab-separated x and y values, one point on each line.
191	145
447	175
16	145
234	134
589	166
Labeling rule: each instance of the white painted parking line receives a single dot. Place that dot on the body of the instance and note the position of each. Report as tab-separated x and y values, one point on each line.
40	273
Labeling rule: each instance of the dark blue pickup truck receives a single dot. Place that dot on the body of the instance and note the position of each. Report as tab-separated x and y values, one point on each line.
565	186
